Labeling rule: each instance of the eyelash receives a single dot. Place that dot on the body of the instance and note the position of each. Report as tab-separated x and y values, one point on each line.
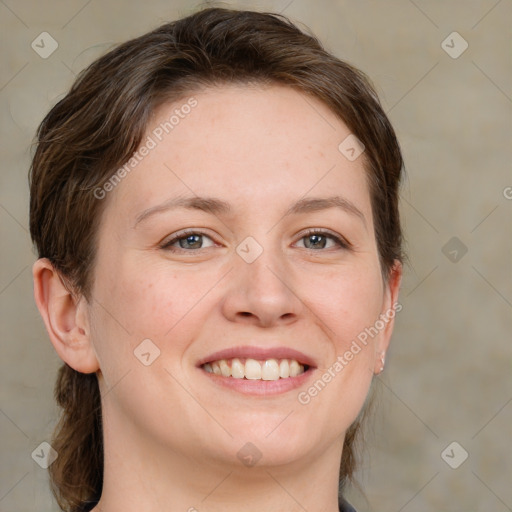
167	245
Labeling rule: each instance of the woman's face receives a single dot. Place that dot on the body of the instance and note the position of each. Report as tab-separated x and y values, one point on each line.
246	172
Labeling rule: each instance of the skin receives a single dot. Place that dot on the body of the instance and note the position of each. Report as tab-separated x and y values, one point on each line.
171	437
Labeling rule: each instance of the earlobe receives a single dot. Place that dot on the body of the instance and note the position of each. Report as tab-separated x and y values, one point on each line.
64	317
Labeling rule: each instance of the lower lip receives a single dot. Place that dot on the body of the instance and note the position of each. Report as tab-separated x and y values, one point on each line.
260	387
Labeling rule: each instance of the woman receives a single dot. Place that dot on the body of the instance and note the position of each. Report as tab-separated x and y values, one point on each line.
215	208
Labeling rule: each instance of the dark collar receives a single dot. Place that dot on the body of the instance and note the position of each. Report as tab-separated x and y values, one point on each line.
345	506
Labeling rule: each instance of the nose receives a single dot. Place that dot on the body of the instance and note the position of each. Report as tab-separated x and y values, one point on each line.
261	293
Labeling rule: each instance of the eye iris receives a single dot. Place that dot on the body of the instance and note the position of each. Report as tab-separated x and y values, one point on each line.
190	240
315	239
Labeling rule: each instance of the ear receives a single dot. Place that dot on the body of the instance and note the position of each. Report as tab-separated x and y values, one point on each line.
65	318
390	308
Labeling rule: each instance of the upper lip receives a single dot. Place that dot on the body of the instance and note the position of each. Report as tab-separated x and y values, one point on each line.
262	353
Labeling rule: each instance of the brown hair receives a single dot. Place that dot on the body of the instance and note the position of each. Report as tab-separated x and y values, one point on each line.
99	124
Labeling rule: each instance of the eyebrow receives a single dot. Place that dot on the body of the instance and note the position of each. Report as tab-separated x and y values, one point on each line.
314	204
205	204
219	207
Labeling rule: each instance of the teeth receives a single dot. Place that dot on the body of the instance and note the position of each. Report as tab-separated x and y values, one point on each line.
295	368
237	369
224	368
270	370
252	369
284	369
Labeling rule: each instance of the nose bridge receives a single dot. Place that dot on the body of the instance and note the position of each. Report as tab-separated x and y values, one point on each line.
262	284
266	274
262	267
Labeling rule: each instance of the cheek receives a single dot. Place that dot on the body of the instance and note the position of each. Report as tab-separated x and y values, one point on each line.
347	300
151	301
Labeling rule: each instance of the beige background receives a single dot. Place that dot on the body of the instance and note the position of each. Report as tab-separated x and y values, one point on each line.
448	376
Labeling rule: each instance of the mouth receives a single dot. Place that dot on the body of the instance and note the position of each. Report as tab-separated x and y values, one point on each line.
255	370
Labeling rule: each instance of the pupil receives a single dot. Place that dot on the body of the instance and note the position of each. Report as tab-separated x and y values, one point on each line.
315	239
190	240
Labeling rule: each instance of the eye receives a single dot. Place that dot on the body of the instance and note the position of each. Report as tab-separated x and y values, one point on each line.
317	239
187	240
190	241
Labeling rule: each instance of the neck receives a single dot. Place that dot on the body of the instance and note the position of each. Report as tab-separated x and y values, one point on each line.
140	474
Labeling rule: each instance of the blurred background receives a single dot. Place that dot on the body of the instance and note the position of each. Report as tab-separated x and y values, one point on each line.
441	434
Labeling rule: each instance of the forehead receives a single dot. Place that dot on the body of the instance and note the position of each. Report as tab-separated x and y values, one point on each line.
254	146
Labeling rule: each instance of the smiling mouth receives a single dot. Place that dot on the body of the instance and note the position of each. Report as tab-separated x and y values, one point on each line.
255	369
